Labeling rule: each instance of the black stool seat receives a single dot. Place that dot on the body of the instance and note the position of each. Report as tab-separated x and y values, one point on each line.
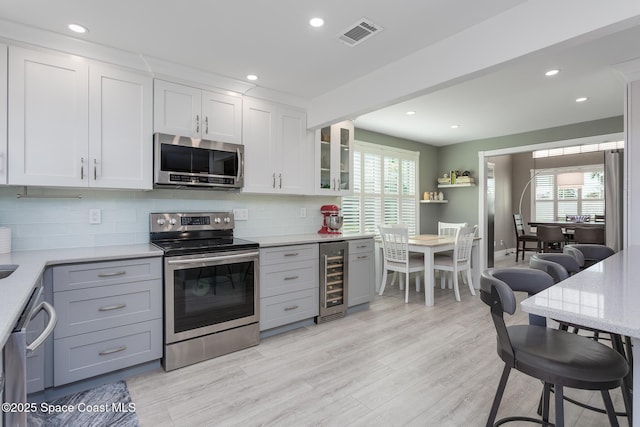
558	358
562	358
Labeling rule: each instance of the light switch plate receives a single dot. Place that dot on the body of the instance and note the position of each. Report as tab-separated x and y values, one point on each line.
95	216
241	214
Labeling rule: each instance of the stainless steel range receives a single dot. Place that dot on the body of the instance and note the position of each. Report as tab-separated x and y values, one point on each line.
210	286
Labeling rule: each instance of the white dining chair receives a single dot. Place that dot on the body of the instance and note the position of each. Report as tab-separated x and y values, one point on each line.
448	229
460	261
398	258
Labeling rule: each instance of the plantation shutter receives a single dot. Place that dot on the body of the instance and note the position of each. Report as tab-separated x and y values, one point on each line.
385	189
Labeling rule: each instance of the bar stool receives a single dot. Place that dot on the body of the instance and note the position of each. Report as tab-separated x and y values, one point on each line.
558	358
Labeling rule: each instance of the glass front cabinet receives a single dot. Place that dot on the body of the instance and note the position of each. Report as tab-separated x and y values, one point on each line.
334	159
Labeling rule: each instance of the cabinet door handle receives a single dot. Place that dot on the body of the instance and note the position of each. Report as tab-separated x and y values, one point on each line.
115	273
206	123
197	123
292	278
81	168
280	175
274	180
95	170
113	350
293	307
112	307
292	254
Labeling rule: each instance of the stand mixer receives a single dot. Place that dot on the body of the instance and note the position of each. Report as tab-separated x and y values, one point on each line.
332	221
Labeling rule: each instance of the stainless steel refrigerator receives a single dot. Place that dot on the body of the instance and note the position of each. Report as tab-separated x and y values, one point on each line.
613	198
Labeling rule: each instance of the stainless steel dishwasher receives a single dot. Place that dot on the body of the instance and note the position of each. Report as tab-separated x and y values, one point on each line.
15	356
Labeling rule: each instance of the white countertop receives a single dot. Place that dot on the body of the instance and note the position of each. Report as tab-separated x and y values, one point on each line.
605	296
16	289
300	239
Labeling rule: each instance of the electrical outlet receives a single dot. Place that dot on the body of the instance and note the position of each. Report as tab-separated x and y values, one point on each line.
501	243
241	214
95	216
303	212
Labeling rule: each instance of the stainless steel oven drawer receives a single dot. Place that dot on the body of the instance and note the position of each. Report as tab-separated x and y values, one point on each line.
89	275
88	355
281	278
288	308
88	310
288	254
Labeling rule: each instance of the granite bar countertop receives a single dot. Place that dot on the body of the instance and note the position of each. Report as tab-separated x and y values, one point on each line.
16	289
301	239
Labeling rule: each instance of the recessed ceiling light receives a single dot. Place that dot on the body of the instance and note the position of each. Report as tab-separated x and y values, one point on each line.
581	99
77	28
552	72
252	77
316	22
455	126
411	113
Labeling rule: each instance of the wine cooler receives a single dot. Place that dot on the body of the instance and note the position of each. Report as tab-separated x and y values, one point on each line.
333	281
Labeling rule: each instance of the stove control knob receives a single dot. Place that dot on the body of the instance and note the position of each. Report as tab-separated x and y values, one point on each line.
173	221
217	220
160	221
227	220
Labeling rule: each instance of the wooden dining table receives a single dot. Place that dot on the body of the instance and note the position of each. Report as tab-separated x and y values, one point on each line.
430	244
604	296
566	224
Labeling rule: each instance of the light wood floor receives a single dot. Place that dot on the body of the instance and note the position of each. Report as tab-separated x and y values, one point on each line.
394	364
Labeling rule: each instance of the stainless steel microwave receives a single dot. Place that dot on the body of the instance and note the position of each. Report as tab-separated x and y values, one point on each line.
180	162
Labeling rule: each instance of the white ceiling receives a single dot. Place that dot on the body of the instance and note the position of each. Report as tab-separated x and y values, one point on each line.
273	40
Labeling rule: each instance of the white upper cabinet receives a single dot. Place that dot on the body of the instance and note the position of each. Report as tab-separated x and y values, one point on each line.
277	149
334	159
120	130
187	111
74	123
3	113
48	119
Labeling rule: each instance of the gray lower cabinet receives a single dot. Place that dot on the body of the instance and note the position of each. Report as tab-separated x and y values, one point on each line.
109	317
361	271
288	284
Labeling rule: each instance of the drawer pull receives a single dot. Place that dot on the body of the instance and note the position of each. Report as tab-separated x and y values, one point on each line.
362	246
113	350
292	254
115	273
292	278
112	307
363	257
293	307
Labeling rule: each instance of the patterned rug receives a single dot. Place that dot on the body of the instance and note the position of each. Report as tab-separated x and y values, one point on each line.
107	405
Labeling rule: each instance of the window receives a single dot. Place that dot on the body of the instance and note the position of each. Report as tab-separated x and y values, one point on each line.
552	203
385	189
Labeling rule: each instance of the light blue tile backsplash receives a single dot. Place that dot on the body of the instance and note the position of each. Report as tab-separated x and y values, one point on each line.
52	222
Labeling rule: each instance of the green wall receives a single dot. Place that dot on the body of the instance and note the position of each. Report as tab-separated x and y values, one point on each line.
463	202
435	161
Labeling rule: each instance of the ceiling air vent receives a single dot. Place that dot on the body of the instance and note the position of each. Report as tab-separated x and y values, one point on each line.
359	32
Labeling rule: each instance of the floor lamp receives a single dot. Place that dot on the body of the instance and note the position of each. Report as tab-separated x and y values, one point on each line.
524	190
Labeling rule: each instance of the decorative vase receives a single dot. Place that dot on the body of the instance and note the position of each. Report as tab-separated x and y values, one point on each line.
440	196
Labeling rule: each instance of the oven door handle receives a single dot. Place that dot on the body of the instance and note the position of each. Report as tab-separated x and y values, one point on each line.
213	258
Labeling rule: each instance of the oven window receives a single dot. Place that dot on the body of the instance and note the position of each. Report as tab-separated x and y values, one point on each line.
205	296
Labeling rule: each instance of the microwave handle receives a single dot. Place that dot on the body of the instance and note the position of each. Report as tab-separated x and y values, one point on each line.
240	164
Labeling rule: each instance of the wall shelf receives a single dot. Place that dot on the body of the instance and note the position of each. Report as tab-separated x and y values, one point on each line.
467	184
434	201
